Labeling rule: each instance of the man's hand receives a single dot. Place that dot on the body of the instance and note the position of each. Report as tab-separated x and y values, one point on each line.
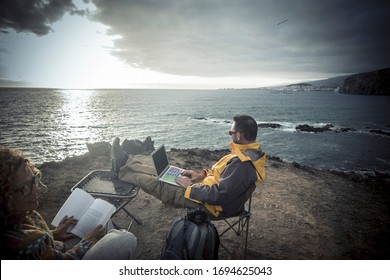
193	175
183	181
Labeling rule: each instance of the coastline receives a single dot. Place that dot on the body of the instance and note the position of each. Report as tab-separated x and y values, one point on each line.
298	212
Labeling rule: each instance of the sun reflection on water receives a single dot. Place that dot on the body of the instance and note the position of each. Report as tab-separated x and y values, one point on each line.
77	116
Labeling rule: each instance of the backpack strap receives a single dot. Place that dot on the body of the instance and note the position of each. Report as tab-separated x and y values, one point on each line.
185	245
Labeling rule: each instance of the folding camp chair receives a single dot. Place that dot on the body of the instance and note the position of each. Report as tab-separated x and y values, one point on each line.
102	183
239	224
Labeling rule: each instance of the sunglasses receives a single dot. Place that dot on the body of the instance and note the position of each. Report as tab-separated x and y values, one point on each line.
27	189
232	132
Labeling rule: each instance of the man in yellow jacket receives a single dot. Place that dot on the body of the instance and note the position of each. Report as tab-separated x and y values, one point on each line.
223	189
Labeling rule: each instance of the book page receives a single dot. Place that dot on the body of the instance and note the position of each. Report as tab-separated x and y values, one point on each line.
76	204
98	213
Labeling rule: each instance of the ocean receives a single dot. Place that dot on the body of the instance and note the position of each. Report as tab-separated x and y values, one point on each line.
52	124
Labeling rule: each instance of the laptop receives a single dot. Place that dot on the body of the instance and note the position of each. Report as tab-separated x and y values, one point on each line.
167	173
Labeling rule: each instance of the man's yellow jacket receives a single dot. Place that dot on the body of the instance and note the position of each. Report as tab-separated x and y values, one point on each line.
225	188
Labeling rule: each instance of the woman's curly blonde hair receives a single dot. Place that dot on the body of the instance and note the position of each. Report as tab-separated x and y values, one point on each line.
10	162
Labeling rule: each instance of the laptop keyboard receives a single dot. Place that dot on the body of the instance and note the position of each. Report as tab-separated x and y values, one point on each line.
172	174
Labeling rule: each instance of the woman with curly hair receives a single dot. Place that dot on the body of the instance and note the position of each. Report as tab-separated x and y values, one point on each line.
25	234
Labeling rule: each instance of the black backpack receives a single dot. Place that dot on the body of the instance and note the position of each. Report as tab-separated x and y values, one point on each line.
192	237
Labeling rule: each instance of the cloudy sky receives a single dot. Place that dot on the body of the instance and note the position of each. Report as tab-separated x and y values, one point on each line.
189	43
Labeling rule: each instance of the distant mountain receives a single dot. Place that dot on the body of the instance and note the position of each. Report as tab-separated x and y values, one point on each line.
330	85
370	83
8	83
300	85
330	82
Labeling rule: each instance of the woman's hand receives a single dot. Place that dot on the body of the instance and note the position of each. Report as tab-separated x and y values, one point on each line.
98	232
61	232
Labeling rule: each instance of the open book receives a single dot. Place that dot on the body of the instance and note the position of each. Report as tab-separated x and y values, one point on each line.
89	211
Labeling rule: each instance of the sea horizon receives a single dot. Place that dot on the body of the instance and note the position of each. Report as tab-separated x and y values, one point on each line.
52	124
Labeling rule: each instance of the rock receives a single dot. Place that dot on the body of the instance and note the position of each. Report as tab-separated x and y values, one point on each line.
296	165
274	158
381	132
51	165
99	148
371	83
345	129
309	128
269	125
148	144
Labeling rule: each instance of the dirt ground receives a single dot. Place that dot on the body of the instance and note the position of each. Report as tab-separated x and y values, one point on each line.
297	213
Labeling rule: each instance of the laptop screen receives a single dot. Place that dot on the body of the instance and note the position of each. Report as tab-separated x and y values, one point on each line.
160	159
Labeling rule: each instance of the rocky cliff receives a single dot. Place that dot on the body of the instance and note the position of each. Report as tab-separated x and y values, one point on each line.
371	83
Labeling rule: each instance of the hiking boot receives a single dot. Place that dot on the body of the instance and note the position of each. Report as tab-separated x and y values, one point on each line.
119	157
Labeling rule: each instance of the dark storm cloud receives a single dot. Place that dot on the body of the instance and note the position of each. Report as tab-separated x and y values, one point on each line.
230	37
227	37
34	16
